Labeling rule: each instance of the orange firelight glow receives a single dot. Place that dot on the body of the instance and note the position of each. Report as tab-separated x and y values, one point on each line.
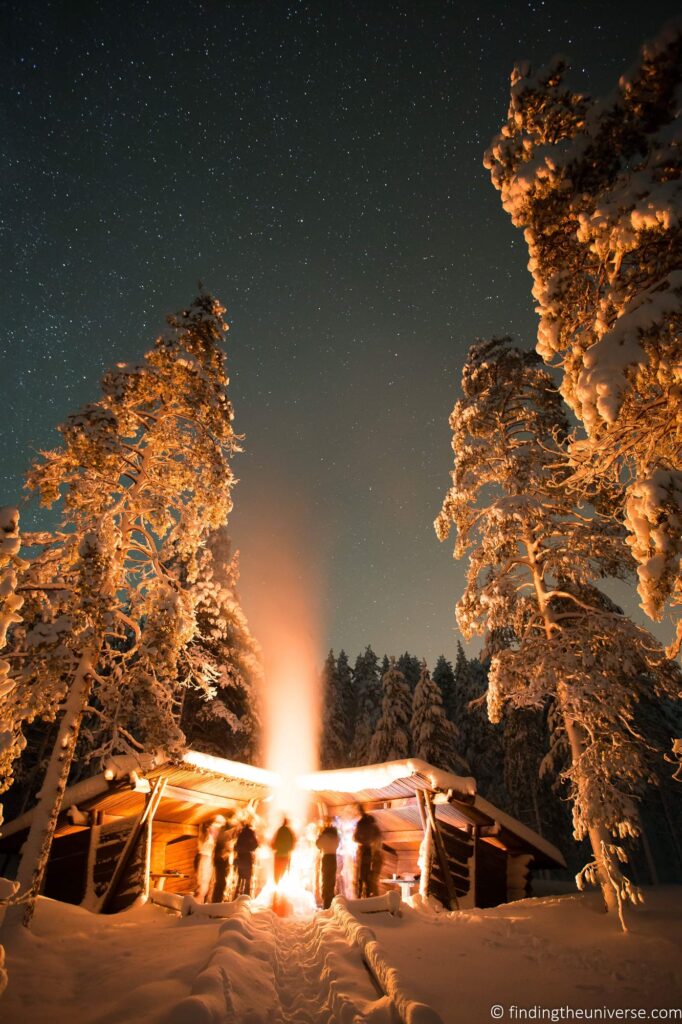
283	609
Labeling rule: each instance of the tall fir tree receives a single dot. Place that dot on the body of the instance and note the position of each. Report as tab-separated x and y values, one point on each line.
344	677
367	690
444	678
434	737
532	558
410	666
480	740
143	475
334	739
392	740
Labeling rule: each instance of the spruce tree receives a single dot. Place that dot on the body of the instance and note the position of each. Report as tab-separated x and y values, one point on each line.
410	666
434	737
444	678
367	689
391	740
344	677
334	740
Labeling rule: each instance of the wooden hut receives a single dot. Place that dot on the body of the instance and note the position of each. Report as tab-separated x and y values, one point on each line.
133	829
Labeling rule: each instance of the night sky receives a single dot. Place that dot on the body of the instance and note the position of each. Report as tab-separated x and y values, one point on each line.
319	167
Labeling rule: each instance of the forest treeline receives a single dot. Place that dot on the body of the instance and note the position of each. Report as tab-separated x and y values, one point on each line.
381	708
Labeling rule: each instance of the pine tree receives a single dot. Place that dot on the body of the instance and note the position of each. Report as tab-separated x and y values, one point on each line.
434	737
596	186
334	743
410	666
10	605
223	665
532	558
11	565
367	690
391	740
444	678
344	678
143	474
480	741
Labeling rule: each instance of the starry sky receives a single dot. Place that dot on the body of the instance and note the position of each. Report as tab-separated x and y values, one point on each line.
318	166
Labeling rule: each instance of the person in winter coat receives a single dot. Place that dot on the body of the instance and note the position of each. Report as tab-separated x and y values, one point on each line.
368	837
203	860
222	860
245	850
282	844
328	844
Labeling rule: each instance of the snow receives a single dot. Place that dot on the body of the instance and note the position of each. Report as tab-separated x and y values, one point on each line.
156	967
379	776
232	769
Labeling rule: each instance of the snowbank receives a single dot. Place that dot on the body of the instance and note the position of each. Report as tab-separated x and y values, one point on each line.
152	966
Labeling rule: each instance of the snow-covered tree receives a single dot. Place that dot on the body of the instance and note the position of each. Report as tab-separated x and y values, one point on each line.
344	677
444	678
143	474
391	740
334	740
10	605
411	668
11	565
367	699
434	737
480	741
533	555
223	663
596	186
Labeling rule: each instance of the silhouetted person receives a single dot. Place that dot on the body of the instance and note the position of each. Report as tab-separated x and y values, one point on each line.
368	837
328	844
222	857
282	844
245	850
203	860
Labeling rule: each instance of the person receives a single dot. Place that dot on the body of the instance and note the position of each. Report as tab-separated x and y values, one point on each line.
245	849
328	843
222	860
368	837
282	844
203	860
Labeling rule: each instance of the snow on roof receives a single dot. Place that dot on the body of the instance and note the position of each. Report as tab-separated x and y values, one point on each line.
379	776
232	769
88	789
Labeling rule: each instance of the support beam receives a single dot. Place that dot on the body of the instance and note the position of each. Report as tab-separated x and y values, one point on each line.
441	853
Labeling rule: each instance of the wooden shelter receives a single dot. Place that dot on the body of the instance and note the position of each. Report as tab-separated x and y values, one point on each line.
134	827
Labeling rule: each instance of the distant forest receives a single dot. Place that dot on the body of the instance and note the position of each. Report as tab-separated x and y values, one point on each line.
382	708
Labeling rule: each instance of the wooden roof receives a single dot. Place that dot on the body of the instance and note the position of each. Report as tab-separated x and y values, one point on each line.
201	785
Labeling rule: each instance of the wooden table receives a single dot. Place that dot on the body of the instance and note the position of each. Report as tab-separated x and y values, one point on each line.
406	885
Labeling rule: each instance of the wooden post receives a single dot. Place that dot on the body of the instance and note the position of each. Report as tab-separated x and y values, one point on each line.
148	813
441	854
426	848
89	900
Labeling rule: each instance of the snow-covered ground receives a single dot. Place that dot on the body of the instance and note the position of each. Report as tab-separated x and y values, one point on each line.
152	967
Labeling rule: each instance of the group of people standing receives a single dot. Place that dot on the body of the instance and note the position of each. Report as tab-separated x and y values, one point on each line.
226	853
224	849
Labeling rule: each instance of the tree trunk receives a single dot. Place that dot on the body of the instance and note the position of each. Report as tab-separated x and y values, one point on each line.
36	850
599	837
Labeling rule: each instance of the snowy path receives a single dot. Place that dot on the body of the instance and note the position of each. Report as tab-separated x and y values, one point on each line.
305	979
267	970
